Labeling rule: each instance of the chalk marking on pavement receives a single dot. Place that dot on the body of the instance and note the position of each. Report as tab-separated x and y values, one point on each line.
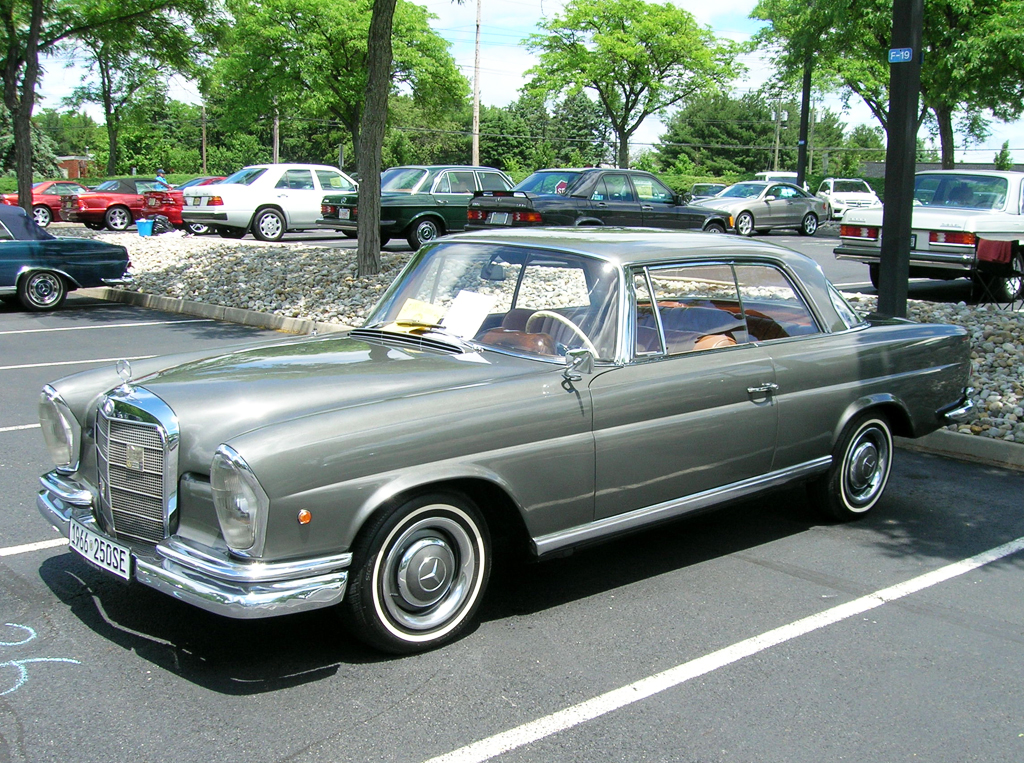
485	749
73	362
19	427
107	326
29	547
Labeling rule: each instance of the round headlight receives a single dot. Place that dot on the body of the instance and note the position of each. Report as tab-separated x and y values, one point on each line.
240	501
61	430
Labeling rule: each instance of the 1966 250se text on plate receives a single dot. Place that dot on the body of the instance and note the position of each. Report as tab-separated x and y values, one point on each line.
543	388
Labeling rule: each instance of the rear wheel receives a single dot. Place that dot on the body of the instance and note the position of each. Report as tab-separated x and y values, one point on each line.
118	218
745	224
419	574
198	229
809	225
349	233
860	468
269	225
873	275
42	291
714	228
231	232
1008	288
423	231
42	215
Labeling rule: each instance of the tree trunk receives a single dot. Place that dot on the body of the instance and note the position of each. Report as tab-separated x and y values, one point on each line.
371	136
623	151
20	99
947	140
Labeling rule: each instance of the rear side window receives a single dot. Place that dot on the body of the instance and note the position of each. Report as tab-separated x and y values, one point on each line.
492	181
245	176
297	180
773	308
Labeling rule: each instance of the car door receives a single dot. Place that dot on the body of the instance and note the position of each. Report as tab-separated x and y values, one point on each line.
614	202
659	209
685	416
299	197
451	193
793	205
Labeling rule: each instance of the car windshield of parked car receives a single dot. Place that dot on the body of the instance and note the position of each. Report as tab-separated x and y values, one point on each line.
960	190
743	191
706	189
108	185
515	299
245	176
402	179
548	182
851	186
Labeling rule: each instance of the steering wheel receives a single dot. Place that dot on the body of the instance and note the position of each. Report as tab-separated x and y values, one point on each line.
559	318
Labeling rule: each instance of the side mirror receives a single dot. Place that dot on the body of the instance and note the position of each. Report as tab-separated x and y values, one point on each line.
684	198
769	198
492	271
577	363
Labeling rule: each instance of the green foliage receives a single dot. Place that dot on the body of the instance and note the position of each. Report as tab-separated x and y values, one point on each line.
44	150
1004	159
638	58
74	133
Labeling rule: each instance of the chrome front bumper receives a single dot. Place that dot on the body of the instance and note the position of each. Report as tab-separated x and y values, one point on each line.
206	577
959	411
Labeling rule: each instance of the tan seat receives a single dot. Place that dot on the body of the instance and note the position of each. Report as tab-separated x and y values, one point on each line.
538	344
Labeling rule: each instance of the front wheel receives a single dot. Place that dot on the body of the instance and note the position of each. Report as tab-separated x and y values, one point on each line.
42	215
1008	288
419	574
860	469
423	231
198	229
714	228
42	291
809	225
745	224
269	225
118	218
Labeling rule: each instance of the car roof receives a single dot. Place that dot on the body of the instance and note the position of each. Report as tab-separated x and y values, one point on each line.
635	246
21	226
433	167
965	171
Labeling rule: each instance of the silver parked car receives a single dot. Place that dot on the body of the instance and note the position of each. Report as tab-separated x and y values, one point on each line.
545	388
759	206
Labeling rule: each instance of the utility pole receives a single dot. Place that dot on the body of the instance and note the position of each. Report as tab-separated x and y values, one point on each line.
476	90
901	128
204	138
805	111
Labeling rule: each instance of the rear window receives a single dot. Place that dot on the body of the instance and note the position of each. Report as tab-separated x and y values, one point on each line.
402	179
245	176
852	186
960	190
492	181
548	182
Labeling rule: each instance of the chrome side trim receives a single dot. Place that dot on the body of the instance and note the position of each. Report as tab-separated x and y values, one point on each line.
675	508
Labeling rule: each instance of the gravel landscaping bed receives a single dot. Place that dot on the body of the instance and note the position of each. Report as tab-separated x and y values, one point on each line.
320	283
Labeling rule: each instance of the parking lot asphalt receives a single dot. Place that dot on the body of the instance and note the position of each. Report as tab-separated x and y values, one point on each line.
755	633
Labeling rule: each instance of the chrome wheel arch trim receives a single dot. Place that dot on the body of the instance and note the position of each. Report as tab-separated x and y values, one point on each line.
638	518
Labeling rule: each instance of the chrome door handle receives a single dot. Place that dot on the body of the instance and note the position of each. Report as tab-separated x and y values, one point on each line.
768	388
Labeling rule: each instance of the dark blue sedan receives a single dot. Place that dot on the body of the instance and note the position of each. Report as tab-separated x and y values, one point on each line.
40	269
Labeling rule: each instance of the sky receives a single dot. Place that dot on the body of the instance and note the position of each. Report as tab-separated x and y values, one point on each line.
504	61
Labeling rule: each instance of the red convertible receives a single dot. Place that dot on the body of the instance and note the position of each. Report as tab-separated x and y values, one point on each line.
168	202
115	204
46	199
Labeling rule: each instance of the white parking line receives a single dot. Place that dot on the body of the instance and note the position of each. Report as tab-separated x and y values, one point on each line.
19	427
73	362
107	326
565	719
28	547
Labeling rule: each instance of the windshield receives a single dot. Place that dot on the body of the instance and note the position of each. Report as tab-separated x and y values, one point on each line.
960	190
851	186
108	185
511	298
402	179
743	191
706	189
244	176
548	182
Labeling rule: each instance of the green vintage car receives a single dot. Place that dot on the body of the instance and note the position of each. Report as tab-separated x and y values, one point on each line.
418	203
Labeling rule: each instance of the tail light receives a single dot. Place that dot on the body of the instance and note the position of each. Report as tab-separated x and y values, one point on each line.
941	237
328	209
476	214
215	201
526	217
857	231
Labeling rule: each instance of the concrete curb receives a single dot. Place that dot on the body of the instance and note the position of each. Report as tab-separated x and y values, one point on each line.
965	447
214	312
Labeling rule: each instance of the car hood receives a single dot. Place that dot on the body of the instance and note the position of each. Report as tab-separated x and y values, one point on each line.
726	205
220	397
945	218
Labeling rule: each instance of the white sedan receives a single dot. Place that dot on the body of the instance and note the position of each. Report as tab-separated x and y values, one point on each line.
268	200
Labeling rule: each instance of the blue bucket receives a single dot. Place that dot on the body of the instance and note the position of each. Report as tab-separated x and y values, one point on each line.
145	227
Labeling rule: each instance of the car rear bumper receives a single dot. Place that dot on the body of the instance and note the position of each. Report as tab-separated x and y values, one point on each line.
208	578
963	261
194	216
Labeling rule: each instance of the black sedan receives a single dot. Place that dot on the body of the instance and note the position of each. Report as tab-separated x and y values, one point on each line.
40	269
591	196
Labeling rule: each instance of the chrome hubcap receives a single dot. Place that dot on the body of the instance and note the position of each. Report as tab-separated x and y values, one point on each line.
867	466
426	232
744	225
270	226
44	289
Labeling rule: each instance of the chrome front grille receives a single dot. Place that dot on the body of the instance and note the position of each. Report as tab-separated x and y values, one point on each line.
136	456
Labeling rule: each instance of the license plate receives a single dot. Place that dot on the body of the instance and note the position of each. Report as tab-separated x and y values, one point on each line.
105	554
498	218
151	202
343	213
913	241
196	200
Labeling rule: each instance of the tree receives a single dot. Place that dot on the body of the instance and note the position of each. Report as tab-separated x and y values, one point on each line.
32	28
75	133
1004	159
638	58
974	56
44	149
